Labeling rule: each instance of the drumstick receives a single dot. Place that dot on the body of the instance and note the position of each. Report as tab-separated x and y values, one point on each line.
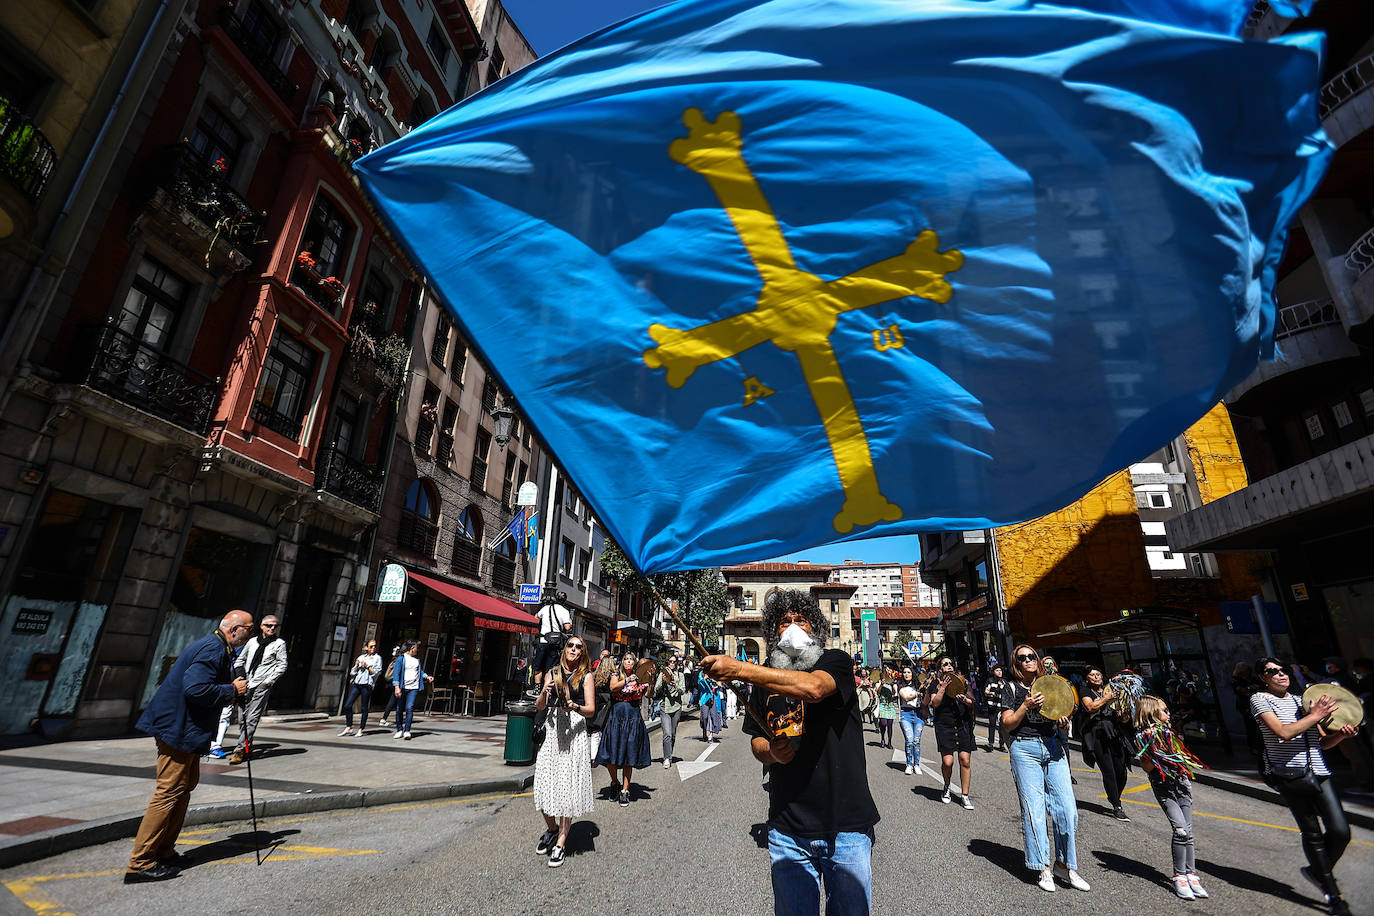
703	652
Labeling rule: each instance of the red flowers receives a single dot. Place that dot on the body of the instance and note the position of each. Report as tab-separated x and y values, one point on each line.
305	259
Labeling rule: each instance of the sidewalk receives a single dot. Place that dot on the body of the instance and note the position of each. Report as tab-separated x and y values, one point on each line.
57	796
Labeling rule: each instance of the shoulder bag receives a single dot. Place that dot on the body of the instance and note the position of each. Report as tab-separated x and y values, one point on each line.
1299	780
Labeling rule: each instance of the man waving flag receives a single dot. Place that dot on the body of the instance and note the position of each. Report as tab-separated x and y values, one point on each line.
786	272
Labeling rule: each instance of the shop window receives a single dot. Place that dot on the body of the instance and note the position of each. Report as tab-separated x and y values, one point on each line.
284	392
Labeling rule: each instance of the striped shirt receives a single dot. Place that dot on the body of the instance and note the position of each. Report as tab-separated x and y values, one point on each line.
1293	753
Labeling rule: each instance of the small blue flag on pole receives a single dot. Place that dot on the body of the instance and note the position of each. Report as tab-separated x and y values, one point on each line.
532	533
516	528
768	275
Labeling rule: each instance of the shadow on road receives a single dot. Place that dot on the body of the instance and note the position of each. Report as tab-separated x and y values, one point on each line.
1094	807
236	844
930	792
1148	873
582	838
264	751
1008	858
1256	882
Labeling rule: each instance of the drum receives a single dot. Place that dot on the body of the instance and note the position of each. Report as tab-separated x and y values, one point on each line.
1060	697
1349	709
866	701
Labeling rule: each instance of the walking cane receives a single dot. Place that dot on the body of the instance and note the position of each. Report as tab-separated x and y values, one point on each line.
252	799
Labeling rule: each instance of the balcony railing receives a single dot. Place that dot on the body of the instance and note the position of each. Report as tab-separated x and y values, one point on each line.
128	370
1345	85
201	190
1360	256
467	558
275	420
349	479
417	534
1311	314
26	157
258	56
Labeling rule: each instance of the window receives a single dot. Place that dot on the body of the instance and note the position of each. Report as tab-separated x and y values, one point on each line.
262	28
346	439
495	64
478	476
375	311
419	528
150	309
284	390
439	348
460	361
214	138
444	454
565	555
357	17
327	236
467	543
436	43
489	394
503	565
584	565
570	500
508	481
747	601
1170	454
427	420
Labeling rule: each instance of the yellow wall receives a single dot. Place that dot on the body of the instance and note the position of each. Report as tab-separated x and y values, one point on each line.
56	35
1087	562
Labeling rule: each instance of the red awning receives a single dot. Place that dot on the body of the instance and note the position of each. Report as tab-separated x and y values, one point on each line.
505	615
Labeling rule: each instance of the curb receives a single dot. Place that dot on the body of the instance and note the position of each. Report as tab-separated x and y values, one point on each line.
105	830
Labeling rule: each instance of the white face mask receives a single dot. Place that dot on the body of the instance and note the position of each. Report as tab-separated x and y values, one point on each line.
794	639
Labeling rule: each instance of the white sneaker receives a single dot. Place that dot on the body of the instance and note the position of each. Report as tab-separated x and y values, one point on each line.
397	735
345	733
1071	878
668	764
384	723
1195	885
946	797
407	736
1183	888
910	771
1047	881
968	805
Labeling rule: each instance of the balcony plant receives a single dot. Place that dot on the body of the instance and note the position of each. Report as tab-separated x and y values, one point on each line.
387	358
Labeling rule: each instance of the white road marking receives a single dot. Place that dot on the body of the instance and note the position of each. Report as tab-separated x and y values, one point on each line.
689	768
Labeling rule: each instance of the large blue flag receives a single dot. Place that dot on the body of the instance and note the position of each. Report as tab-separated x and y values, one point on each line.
767	275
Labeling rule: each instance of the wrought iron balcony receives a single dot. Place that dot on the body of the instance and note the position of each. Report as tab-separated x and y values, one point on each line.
190	186
125	368
1314	313
467	558
260	57
417	534
350	479
26	157
276	421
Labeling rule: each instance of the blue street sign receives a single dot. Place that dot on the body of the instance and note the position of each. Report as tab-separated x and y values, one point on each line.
914	647
1240	617
529	594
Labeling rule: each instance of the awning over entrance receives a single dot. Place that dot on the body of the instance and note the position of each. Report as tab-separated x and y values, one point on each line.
490	612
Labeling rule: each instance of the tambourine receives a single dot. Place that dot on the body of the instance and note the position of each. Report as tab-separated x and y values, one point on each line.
1350	711
1060	697
646	670
956	687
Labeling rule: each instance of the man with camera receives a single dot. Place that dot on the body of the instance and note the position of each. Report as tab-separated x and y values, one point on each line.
182	717
555	626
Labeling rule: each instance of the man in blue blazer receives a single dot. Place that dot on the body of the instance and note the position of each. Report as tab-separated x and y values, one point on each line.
182	717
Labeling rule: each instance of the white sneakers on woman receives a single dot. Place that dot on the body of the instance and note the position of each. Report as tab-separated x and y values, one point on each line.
1070	877
1183	888
1047	881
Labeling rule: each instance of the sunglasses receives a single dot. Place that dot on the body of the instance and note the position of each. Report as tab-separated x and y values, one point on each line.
575	645
1026	658
1271	672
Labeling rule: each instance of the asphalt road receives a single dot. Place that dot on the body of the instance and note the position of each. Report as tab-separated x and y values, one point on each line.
693	846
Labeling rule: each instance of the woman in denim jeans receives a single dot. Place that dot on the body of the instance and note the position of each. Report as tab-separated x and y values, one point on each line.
912	723
1040	770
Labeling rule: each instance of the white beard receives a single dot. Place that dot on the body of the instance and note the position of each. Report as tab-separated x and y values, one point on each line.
804	660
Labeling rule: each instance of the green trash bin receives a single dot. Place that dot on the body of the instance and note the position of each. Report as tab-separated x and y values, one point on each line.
520	732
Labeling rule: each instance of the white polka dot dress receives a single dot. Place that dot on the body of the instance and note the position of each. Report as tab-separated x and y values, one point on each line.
563	770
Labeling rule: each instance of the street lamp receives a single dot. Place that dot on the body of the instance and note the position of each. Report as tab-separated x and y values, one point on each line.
503	424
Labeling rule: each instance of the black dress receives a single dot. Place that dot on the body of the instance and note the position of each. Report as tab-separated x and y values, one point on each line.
953	723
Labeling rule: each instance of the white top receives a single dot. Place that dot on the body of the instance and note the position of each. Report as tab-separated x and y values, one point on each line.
410	673
552	617
1293	753
367	675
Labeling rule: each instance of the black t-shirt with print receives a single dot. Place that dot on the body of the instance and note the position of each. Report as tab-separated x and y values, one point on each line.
824	790
1033	725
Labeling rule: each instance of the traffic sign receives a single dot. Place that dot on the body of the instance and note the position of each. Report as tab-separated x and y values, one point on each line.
913	647
529	594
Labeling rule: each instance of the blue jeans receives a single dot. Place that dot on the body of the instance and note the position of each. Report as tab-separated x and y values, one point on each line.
357	692
911	730
405	709
1041	772
844	863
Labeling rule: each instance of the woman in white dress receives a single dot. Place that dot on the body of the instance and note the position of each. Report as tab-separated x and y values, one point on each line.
562	770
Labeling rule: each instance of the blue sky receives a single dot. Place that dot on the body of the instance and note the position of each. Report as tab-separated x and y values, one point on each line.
550	24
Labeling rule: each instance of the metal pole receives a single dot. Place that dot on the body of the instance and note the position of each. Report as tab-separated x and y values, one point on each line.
1262	621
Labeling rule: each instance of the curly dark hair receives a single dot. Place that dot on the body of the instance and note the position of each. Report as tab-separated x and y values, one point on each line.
791	601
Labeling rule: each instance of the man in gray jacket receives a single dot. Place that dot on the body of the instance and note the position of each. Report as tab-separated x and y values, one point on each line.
262	661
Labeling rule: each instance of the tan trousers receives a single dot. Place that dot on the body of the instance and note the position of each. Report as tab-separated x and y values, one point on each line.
178	773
